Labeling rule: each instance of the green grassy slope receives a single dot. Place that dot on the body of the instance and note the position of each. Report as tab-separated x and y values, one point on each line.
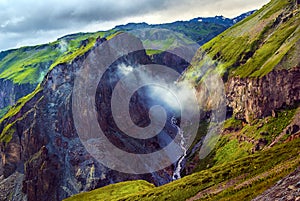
114	191
256	45
242	179
30	64
240	140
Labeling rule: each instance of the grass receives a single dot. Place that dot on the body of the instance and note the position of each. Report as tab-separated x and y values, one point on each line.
230	147
152	52
233	124
9	128
26	65
20	103
256	66
255	46
252	165
287	43
70	56
258	171
276	7
114	191
232	151
250	188
7	133
30	64
270	126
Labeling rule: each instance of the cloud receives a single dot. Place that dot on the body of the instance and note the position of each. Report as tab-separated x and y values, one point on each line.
32	15
30	22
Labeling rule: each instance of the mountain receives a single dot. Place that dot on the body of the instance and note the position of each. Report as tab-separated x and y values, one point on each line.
43	156
257	155
268	49
200	30
19	75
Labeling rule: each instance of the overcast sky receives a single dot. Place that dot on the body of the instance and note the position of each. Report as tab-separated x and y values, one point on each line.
30	22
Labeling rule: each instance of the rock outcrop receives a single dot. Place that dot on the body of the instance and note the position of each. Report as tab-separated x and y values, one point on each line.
252	98
287	188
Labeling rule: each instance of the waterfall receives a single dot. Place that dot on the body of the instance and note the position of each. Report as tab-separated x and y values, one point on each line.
176	174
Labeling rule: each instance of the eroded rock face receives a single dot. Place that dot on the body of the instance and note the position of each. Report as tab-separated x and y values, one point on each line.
10	92
253	98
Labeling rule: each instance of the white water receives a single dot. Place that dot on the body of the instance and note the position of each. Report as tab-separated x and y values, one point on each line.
176	174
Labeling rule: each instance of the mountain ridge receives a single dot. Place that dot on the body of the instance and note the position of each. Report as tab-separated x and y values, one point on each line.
16	69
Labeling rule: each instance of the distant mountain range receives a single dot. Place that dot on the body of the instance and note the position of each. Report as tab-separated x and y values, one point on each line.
201	29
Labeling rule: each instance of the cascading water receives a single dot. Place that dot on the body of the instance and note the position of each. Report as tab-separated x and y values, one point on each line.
176	174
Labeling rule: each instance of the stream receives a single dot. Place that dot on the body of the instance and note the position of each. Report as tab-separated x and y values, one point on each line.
176	174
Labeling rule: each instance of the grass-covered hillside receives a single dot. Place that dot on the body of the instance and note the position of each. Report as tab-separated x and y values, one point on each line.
239	139
125	189
30	64
241	179
266	40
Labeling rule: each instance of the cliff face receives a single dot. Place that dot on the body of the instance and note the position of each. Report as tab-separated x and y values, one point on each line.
252	98
45	155
10	92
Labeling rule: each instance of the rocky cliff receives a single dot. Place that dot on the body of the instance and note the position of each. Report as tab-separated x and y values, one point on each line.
252	98
42	151
11	92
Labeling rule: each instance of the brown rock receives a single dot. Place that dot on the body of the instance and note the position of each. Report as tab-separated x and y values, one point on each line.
253	98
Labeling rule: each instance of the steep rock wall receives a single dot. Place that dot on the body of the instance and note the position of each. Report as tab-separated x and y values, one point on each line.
252	98
10	92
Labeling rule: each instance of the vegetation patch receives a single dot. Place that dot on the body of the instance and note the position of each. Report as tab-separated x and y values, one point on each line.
255	46
269	127
114	192
258	170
